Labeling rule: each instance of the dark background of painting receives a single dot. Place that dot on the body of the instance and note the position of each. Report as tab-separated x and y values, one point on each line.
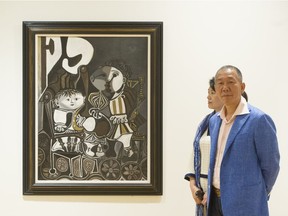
129	49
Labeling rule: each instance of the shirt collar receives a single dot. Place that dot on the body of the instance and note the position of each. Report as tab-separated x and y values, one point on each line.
241	109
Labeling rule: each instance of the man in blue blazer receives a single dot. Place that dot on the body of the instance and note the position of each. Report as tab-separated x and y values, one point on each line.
244	157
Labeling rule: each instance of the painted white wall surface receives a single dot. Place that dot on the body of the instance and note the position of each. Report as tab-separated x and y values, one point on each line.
199	37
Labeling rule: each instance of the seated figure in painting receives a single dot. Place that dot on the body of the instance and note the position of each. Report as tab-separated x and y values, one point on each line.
67	119
110	82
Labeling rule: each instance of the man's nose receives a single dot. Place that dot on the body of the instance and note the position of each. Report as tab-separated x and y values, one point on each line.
225	87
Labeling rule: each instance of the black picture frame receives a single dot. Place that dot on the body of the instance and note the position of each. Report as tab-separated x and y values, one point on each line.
97	149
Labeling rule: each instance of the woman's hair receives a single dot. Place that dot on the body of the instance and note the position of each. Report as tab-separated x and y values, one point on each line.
244	94
212	83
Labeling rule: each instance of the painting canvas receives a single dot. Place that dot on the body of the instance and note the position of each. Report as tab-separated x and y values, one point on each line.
92	108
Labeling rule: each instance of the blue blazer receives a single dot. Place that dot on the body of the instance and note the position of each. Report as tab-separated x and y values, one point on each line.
250	163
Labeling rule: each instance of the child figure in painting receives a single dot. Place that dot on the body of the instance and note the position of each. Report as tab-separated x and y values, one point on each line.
66	117
110	81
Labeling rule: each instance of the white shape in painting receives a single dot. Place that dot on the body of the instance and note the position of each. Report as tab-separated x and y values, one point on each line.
76	46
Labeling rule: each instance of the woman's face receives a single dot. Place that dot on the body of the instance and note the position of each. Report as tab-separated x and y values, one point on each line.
214	101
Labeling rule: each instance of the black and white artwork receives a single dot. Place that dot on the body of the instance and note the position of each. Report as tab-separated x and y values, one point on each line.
92	108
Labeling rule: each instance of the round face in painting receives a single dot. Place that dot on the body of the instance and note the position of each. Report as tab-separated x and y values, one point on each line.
229	86
214	102
108	80
116	79
70	102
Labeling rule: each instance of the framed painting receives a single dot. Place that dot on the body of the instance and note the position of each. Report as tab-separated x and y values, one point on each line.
92	108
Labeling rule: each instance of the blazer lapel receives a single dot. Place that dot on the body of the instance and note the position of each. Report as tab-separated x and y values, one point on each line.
236	127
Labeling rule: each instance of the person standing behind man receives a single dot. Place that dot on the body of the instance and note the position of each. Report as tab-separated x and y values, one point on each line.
201	151
244	158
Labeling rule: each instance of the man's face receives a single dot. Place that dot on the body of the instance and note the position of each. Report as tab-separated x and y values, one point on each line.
70	102
229	87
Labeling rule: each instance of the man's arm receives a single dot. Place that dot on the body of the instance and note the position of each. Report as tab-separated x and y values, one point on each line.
267	150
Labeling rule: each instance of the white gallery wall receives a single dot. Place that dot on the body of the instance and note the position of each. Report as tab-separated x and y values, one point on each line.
199	37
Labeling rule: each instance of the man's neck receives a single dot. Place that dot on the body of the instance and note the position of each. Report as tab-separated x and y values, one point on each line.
229	111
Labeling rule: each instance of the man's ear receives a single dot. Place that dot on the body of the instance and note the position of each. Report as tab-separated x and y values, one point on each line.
243	85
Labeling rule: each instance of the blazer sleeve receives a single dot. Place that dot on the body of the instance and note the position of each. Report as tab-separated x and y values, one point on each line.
267	150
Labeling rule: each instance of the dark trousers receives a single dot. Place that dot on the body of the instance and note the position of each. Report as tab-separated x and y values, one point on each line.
215	207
